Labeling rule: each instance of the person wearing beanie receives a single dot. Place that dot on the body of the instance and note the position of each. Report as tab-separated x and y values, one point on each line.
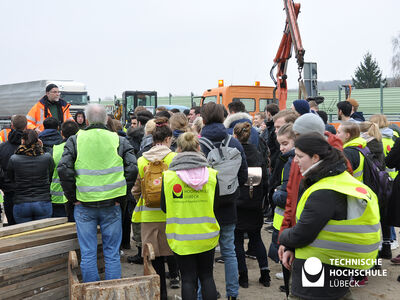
50	105
301	107
309	123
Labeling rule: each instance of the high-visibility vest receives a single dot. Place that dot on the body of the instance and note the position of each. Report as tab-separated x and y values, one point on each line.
36	115
191	224
142	213
348	239
388	144
56	191
1	197
4	134
98	166
278	212
358	173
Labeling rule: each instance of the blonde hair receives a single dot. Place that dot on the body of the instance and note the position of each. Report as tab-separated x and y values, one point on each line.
351	128
380	120
198	125
287	130
242	132
371	129
179	121
188	141
150	126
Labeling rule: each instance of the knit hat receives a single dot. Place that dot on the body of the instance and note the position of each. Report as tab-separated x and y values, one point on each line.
301	106
309	123
50	87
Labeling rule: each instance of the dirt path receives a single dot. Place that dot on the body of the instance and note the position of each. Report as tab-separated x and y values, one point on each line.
386	288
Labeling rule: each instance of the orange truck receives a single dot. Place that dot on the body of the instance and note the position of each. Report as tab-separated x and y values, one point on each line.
255	98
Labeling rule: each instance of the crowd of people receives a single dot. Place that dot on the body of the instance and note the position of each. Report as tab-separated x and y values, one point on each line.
188	182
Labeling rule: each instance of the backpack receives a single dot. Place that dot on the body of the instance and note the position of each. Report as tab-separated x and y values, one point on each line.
151	183
227	161
377	179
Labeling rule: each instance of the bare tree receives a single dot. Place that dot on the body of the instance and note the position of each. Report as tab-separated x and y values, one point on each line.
396	60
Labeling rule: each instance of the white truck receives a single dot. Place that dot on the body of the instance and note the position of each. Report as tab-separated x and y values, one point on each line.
18	98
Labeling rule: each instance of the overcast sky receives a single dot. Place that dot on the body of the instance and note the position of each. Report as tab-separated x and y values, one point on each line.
182	46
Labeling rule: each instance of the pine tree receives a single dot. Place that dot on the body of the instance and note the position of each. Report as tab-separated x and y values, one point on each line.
368	74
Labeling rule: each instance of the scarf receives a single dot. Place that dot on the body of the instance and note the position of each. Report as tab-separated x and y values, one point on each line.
34	150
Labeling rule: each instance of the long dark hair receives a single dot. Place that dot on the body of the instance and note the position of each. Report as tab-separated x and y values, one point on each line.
314	143
30	137
162	130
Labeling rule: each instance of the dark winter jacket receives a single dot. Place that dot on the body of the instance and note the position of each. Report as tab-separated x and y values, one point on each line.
321	206
67	174
358	116
249	210
146	144
135	137
6	150
49	138
376	148
31	176
280	194
393	162
241	117
226	212
272	143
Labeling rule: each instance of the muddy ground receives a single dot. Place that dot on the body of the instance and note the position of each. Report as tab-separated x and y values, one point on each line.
387	288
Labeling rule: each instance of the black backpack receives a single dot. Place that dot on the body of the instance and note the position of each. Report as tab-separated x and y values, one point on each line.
377	179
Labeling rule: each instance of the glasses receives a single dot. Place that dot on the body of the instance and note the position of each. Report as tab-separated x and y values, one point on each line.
55	92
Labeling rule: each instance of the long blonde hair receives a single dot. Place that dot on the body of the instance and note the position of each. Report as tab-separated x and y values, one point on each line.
179	121
371	129
380	120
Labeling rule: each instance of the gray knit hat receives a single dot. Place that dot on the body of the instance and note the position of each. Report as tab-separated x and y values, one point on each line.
309	123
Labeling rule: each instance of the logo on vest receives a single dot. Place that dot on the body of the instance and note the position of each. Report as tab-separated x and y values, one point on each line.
312	273
177	191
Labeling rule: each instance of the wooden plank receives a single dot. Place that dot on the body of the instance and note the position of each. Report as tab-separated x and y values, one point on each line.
32	266
20	257
40	290
57	293
37	284
4	231
37	239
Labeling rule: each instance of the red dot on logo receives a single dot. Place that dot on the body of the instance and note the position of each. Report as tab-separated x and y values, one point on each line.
361	190
177	188
388	148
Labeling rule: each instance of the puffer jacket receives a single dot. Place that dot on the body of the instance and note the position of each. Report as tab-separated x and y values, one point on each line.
67	174
31	176
7	149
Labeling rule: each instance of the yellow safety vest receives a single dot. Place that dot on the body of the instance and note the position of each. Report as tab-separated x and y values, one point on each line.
56	191
191	224
278	212
347	239
388	144
358	173
1	197
99	168
142	213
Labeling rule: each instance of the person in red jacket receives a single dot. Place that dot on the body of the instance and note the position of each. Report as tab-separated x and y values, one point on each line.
307	123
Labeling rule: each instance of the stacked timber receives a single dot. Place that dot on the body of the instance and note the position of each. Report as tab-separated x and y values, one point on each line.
34	259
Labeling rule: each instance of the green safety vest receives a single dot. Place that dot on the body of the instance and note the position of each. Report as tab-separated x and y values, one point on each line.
278	212
357	142
388	144
1	198
347	239
191	224
98	166
142	213
56	191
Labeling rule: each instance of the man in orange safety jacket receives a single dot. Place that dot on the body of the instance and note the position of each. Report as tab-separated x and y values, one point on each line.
51	105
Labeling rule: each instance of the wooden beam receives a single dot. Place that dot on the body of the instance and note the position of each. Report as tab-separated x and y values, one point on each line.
13	229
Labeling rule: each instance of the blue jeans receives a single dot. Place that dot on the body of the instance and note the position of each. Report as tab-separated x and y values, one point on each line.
109	219
30	211
392	234
227	246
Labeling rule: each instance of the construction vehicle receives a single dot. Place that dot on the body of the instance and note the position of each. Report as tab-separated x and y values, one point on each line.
132	99
18	98
257	97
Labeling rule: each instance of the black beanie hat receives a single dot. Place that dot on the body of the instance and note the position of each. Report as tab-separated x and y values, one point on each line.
50	87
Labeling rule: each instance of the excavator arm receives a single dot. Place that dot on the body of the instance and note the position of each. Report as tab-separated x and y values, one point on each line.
291	40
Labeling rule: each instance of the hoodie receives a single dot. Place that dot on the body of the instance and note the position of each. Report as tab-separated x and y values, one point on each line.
241	117
191	168
49	138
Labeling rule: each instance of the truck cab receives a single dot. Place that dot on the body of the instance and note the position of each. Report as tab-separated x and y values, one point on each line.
255	98
132	99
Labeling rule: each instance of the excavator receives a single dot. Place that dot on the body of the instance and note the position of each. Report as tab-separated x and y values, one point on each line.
257	97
